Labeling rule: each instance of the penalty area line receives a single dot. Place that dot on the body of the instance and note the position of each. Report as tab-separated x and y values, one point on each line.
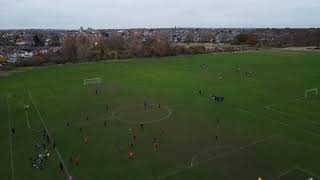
283	173
226	154
47	131
26	113
286	114
296	168
206	150
306	131
308	172
28	123
27	119
27	116
289	101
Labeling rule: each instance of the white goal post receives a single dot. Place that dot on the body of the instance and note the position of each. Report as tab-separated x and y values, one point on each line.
315	90
92	81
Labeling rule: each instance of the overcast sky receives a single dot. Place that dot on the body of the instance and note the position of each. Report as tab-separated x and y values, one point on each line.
71	14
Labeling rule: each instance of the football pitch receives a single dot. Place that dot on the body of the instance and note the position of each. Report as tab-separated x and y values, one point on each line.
162	112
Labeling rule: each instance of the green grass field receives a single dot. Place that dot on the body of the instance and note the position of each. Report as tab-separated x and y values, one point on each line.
267	128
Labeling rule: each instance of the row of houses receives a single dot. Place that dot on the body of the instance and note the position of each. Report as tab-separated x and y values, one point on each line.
13	56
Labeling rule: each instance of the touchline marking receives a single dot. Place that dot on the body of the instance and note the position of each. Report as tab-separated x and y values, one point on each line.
235	150
10	139
45	127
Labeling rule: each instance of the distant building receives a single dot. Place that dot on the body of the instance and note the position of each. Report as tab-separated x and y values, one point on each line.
3	59
25	54
13	58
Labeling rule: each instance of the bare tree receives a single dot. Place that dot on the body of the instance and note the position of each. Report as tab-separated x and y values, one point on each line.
69	49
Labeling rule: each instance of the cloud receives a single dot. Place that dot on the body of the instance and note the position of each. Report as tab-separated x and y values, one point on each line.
158	13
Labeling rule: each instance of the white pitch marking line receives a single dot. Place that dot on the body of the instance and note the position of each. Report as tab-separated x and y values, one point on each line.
308	172
27	115
289	101
307	131
147	122
27	118
10	139
206	150
291	114
294	169
311	146
283	173
283	123
44	125
28	122
235	150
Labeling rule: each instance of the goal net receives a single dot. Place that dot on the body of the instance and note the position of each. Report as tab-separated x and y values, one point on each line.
92	81
311	92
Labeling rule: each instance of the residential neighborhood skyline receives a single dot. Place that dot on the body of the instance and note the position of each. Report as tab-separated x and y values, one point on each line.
150	28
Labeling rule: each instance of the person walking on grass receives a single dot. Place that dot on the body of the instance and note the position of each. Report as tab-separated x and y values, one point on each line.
77	160
131	144
71	160
161	132
131	155
48	139
145	104
86	141
61	166
156	146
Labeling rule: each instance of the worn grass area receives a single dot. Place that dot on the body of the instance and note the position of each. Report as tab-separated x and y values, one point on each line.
212	45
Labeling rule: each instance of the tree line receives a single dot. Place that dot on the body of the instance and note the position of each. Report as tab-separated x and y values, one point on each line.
80	48
280	38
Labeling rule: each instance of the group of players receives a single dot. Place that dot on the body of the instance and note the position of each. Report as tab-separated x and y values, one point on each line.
133	138
74	160
218	99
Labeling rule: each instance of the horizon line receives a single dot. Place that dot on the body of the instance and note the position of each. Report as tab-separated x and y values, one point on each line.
72	29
